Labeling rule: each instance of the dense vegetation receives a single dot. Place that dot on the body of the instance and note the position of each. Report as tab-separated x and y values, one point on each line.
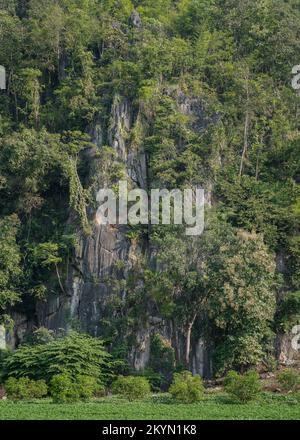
67	62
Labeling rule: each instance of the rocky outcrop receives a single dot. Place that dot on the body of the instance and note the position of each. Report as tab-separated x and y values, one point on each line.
88	285
288	348
135	19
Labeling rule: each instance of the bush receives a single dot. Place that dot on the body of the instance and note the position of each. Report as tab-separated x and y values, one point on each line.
37	389
289	379
24	388
63	389
243	388
156	380
186	388
87	386
131	387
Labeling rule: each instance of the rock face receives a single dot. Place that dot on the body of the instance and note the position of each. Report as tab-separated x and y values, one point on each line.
135	19
88	290
288	348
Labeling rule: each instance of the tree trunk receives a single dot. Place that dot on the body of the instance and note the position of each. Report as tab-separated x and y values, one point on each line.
188	341
245	148
59	280
257	169
246	130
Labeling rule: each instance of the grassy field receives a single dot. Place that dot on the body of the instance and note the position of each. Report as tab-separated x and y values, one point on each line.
213	407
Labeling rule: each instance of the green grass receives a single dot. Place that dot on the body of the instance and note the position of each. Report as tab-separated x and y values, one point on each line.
213	407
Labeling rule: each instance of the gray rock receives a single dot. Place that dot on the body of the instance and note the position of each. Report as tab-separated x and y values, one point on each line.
135	19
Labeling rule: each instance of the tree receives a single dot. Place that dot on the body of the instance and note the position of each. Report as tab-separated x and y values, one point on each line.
46	255
10	264
241	300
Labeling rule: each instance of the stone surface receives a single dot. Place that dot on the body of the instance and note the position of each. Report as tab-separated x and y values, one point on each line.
287	353
135	19
88	289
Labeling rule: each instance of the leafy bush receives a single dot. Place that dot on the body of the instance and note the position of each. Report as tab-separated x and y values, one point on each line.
186	388
243	388
40	336
131	387
76	354
236	351
87	386
289	379
63	389
37	388
24	388
288	312
157	380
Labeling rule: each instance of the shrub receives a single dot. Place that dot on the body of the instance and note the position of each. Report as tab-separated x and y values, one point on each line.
76	354
243	388
17	389
37	388
87	386
24	388
131	387
156	380
289	379
186	388
63	389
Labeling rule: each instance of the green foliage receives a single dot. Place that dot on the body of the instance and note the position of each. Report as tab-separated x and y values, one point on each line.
3	355
186	388
46	254
243	388
162	361
40	336
75	354
32	164
156	380
10	263
24	388
67	389
272	407
131	387
86	386
63	389
288	311
289	379
240	274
